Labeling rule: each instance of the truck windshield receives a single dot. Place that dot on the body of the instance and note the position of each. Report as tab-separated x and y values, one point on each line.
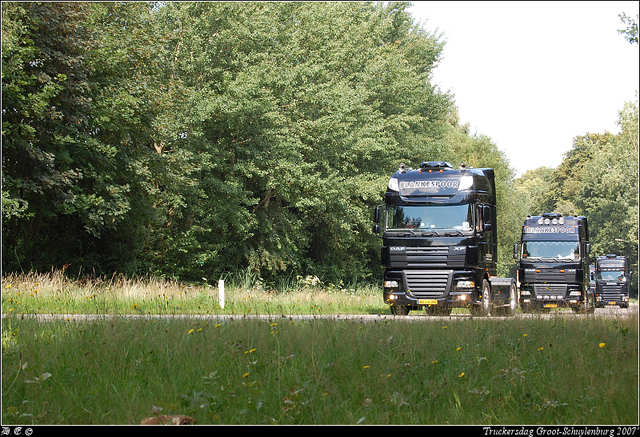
433	217
557	250
611	275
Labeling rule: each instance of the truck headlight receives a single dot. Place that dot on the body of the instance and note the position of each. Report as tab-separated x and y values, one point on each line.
465	284
574	293
390	284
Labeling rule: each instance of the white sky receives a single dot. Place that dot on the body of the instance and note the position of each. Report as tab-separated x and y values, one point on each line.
534	75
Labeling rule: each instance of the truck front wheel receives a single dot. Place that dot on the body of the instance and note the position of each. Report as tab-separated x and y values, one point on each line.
484	309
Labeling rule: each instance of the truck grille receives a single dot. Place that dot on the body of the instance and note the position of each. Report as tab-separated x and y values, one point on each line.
550	289
611	293
427	256
428	283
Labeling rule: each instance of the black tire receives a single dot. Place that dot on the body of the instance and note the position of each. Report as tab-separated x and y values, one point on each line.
485	307
510	310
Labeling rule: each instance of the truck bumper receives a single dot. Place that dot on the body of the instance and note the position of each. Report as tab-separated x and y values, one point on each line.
450	300
563	296
604	301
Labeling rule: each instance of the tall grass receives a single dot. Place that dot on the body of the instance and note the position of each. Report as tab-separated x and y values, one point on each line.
245	293
566	370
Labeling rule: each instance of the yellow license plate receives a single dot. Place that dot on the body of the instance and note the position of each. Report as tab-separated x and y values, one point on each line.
613	303
550	305
427	302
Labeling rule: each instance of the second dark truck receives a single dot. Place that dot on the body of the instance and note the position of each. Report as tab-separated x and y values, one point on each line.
553	266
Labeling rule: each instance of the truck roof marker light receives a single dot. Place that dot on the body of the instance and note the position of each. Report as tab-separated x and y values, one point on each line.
466	182
393	184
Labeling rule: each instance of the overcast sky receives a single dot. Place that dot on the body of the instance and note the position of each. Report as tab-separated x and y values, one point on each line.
534	75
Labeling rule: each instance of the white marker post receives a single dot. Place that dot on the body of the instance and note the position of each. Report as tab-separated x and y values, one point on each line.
221	293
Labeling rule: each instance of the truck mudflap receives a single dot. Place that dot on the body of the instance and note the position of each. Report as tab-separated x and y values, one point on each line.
502	285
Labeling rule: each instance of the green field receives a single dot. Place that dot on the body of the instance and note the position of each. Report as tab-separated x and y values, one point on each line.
573	370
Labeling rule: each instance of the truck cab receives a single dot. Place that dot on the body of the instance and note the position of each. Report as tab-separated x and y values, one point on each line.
612	281
553	266
438	227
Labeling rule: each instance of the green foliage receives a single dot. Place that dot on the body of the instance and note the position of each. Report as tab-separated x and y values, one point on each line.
598	179
194	139
631	32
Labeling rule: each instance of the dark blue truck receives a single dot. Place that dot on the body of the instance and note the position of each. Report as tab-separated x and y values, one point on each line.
612	281
554	263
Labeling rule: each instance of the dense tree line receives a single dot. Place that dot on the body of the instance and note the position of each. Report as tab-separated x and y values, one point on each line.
193	139
598	178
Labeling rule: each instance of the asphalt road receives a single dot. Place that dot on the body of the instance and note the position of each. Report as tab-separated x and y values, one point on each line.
609	312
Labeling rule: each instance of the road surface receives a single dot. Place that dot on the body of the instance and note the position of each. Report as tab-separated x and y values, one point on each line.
608	312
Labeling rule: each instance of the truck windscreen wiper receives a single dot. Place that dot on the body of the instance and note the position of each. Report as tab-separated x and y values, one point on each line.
454	232
432	232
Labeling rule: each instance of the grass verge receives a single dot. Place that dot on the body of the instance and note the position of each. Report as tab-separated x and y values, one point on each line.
576	371
579	370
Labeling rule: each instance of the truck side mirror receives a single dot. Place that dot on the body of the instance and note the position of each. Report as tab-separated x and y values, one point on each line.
377	214
486	219
515	251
